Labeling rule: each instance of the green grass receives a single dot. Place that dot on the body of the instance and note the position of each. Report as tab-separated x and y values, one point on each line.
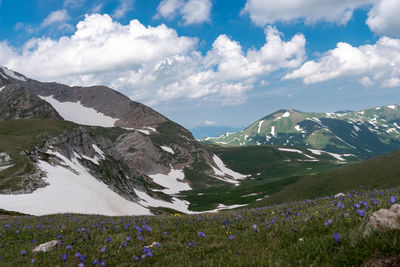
269	169
379	172
292	234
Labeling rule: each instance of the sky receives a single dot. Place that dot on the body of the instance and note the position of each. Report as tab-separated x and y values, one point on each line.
212	62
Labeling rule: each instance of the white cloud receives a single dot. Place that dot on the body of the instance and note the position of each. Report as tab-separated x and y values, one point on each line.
169	8
264	12
55	17
370	64
192	11
153	64
124	7
384	18
210	122
73	3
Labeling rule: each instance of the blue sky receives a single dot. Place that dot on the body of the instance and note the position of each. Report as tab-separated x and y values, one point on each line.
211	61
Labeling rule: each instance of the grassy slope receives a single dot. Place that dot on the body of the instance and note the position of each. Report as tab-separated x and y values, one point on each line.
379	172
289	235
270	172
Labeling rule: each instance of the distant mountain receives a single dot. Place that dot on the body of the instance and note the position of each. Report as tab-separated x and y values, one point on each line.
93	150
364	133
201	132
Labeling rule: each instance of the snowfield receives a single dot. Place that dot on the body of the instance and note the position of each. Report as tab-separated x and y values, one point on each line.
12	74
72	111
223	170
71	192
168	149
173	181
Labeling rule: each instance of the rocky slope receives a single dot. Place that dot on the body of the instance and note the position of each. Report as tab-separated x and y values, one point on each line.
365	133
114	149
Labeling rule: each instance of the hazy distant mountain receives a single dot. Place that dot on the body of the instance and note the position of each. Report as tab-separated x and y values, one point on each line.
201	132
365	133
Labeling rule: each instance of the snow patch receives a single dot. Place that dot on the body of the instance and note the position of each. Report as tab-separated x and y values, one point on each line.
1	89
337	156
297	128
392	107
72	111
296	151
223	170
12	74
273	130
259	126
168	149
286	114
173	181
68	191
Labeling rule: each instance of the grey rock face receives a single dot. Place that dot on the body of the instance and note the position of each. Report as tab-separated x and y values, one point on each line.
18	103
384	219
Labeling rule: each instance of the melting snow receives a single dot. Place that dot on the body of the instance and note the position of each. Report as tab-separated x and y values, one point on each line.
176	204
12	74
71	192
286	115
392	107
296	151
223	170
1	89
273	130
73	112
259	126
395	124
337	156
168	149
173	181
356	128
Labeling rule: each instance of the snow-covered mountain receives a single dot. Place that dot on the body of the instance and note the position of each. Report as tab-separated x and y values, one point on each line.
365	133
93	150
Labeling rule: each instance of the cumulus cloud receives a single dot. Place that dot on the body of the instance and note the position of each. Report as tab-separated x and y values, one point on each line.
153	64
384	18
55	17
264	12
369	64
191	11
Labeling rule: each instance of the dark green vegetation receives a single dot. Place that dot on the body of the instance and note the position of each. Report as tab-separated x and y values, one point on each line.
377	173
270	171
321	232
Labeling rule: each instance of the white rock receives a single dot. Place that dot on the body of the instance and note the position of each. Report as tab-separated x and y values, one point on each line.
384	219
339	195
46	246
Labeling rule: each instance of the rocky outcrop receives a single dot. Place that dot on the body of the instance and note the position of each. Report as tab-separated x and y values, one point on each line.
384	219
18	103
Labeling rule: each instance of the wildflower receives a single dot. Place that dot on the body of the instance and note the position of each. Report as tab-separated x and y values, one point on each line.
361	213
165	233
140	238
392	199
103	263
128	238
64	257
68	247
95	262
190	244
201	234
103	250
77	255
109	239
231	237
336	237
328	222
23	252
136	258
148	228
294	230
32	261
254	226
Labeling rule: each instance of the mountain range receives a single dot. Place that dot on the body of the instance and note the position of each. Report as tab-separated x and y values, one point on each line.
365	133
93	150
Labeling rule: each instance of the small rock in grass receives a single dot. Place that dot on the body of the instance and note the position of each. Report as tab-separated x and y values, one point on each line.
46	246
384	219
339	195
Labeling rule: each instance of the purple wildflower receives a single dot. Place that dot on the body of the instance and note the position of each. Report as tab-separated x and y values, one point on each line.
361	213
231	237
103	263
23	252
136	258
140	238
95	262
254	226
68	247
103	250
109	239
64	257
392	199
336	237
201	234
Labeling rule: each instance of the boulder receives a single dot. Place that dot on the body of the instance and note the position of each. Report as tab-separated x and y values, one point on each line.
45	247
384	219
340	195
